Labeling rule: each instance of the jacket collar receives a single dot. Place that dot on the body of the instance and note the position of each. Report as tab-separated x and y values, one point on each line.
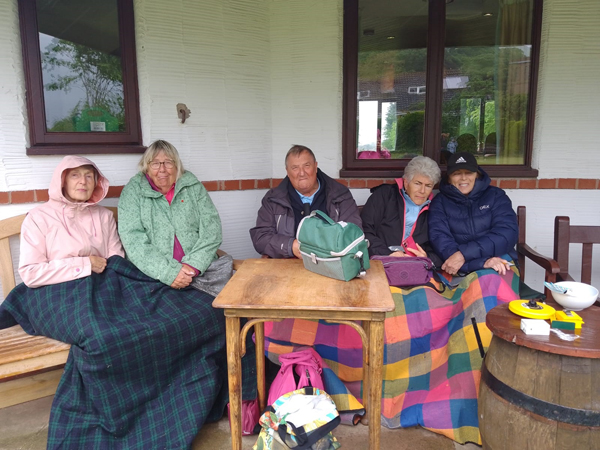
185	180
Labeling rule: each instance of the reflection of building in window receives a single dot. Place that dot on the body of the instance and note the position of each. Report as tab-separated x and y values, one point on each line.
456	82
364	94
416	90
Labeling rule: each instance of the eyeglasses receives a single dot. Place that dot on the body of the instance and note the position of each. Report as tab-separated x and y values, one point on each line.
155	165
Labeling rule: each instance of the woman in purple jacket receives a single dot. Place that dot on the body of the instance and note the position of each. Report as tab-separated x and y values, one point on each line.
471	224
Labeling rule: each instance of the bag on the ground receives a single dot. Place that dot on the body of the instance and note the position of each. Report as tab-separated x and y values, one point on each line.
307	364
250	416
301	419
333	249
406	271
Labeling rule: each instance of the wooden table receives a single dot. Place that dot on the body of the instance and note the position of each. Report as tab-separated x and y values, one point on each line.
264	290
542	391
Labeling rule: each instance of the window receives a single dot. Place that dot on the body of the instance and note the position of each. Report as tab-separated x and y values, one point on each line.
416	90
443	76
81	76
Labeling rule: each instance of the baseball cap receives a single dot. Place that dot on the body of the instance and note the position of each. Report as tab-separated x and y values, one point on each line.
460	161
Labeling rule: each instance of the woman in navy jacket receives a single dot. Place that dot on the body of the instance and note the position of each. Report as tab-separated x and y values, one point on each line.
471	224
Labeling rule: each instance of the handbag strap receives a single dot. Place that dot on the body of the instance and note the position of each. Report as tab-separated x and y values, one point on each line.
437	277
323	216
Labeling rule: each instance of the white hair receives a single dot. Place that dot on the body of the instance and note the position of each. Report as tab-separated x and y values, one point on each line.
422	165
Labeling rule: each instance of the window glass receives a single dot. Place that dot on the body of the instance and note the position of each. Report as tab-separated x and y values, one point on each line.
392	57
487	61
81	65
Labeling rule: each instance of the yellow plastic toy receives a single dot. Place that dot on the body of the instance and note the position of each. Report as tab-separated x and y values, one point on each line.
570	316
532	309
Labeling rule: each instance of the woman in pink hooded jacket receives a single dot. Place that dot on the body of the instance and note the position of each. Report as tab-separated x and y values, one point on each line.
70	236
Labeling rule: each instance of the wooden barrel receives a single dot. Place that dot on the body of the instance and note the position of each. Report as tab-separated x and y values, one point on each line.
535	393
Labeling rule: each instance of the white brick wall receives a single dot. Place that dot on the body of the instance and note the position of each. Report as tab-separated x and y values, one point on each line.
260	75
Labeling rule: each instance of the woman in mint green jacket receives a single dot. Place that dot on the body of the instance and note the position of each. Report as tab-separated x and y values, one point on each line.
168	224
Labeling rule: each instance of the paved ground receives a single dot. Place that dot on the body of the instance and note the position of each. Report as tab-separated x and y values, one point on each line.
25	427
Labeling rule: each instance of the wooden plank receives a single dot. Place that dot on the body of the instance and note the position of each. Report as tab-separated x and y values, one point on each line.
526	364
576	383
11	226
547	377
16	345
30	365
29	388
7	275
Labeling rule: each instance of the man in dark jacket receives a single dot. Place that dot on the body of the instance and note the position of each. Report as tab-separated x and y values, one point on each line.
471	224
304	189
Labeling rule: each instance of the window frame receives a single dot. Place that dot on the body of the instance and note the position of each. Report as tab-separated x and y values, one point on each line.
391	168
43	142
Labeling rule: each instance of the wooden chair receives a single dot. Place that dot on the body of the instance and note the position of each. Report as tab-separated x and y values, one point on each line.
565	234
524	252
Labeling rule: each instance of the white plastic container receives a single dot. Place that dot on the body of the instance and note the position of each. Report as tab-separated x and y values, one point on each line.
535	326
578	297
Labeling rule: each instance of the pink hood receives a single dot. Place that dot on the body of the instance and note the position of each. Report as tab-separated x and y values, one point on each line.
58	180
58	237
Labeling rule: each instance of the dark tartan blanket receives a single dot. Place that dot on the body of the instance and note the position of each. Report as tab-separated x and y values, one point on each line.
147	366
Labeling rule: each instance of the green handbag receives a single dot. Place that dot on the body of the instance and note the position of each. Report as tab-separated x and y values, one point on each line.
333	249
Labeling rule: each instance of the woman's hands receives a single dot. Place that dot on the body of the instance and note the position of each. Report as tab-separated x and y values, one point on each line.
453	264
184	277
411	252
498	264
417	251
98	264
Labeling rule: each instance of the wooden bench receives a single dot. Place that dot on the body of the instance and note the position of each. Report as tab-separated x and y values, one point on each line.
30	366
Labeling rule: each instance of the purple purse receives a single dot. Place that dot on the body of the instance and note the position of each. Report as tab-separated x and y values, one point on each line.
406	271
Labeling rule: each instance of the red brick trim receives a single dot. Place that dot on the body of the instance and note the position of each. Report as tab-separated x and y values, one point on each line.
41	195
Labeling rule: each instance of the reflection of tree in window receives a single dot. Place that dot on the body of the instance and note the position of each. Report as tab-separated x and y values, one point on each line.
97	73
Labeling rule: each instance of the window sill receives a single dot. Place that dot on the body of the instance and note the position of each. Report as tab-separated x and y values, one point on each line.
492	171
84	149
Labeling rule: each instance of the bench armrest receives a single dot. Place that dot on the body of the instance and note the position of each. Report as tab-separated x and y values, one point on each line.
550	265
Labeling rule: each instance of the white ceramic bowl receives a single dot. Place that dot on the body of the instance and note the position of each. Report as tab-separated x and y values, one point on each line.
579	297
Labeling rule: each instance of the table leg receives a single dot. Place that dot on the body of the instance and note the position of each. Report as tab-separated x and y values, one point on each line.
234	366
259	335
365	390
375	378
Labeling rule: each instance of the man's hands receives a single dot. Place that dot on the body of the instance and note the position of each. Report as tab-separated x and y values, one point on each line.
498	264
184	277
296	249
98	264
453	264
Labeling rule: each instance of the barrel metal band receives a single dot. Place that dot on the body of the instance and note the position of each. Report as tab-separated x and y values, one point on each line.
552	411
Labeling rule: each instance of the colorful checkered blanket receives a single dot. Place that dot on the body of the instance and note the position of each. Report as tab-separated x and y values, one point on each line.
431	357
147	366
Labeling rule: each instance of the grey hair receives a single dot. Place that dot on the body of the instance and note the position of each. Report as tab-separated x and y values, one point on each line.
154	149
422	165
296	150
